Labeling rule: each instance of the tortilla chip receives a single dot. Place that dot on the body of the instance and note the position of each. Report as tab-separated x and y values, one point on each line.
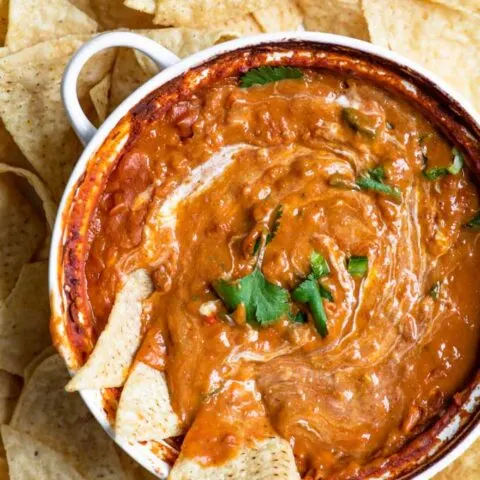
35	21
3	21
144	411
62	422
468	6
202	13
271	458
111	14
9	151
99	95
444	40
145	6
32	366
113	354
4	475
24	319
31	108
343	17
282	17
21	234
48	205
29	459
246	25
467	467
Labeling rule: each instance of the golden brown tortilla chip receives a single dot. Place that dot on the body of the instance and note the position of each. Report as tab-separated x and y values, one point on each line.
99	95
113	354
467	467
9	151
343	17
144	411
112	14
4	475
145	6
204	13
35	21
21	234
31	108
281	17
61	421
24	319
3	21
246	25
444	40
30	459
32	366
467	6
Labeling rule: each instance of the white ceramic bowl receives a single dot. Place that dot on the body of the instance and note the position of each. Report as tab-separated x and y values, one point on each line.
454	437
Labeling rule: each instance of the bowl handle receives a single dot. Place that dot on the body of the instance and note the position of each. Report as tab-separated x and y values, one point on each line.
161	56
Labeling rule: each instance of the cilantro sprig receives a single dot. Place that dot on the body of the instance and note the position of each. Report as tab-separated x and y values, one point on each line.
312	292
454	168
264	75
374	180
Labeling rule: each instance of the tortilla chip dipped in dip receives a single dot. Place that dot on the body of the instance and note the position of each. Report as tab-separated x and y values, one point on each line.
276	276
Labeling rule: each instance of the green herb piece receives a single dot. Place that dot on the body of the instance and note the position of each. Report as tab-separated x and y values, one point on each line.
377	173
299	317
370	183
359	122
319	265
357	266
277	215
434	291
325	293
308	292
264	301
263	75
474	223
454	168
256	247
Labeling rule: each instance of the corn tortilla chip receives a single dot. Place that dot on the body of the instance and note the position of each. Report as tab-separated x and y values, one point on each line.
343	17
112	14
468	6
133	470
467	467
283	16
99	95
24	319
30	459
246	25
35	21
31	108
145	6
21	234
32	366
444	40
113	354
200	13
144	411
4	475
62	422
49	206
9	151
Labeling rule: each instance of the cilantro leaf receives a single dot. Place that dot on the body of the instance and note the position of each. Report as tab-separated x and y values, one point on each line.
264	302
373	180
474	223
299	317
357	266
277	215
308	292
263	75
453	169
319	265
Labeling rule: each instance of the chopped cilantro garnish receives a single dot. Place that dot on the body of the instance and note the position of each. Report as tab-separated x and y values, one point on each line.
263	75
434	291
373	180
325	293
299	317
319	265
357	266
474	223
277	215
264	301
453	169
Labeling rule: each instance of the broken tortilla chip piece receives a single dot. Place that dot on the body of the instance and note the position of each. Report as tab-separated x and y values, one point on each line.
343	17
112	14
468	6
32	110
21	234
99	94
24	319
35	21
270	458
281	17
113	354
30	459
444	40
145	6
62	421
144	411
202	13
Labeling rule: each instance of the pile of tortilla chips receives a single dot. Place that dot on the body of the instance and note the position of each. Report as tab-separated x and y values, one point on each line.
46	432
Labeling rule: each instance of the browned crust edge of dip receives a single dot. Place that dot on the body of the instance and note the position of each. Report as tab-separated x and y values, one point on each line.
444	112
